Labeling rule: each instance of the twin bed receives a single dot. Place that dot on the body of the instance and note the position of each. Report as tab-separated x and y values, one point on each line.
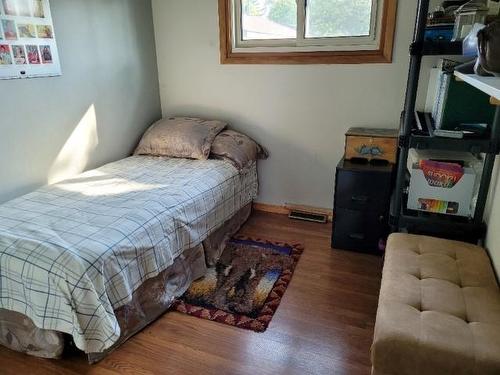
94	259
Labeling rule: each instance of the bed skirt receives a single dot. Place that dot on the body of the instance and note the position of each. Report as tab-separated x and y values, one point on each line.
152	299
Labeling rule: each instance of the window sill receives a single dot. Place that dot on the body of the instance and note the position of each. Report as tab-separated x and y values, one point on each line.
294	58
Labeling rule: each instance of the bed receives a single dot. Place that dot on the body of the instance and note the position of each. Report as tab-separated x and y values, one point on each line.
92	260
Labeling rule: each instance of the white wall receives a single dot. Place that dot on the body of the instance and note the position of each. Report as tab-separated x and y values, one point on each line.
493	219
52	128
300	113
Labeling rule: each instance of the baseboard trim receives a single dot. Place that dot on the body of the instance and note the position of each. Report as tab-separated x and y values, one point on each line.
271	208
285	210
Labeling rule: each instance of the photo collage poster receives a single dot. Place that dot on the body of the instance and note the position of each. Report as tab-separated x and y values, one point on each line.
28	46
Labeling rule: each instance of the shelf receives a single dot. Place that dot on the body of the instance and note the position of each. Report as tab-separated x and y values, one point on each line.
431	48
454	227
488	85
474	145
442	227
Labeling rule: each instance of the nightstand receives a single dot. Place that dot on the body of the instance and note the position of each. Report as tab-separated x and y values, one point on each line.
361	205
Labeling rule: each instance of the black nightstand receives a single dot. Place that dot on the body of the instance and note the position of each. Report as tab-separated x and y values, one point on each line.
361	205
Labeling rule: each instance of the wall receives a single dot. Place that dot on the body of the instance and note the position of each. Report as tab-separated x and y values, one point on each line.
52	128
300	113
493	219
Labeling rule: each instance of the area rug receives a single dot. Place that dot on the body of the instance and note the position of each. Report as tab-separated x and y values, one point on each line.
245	287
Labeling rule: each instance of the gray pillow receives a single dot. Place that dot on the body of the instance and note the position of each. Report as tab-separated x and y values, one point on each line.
180	137
238	148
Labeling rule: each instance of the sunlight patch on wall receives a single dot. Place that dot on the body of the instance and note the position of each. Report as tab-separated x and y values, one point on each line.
75	153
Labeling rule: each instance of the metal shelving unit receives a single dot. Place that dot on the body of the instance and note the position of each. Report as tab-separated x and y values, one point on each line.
469	229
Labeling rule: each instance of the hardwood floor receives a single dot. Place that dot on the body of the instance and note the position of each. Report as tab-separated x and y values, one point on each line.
324	324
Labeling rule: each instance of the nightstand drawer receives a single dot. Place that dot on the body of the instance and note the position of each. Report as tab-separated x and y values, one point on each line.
359	230
362	191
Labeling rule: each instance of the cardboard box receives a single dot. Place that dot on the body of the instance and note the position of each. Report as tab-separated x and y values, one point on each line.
452	201
456	200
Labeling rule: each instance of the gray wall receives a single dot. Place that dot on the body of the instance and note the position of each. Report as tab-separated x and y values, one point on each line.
493	219
52	128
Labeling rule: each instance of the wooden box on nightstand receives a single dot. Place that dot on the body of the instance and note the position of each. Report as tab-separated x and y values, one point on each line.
371	144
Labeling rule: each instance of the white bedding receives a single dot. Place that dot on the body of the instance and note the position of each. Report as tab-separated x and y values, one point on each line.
73	252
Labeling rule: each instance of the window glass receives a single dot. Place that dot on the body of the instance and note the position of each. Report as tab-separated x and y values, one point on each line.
338	18
268	19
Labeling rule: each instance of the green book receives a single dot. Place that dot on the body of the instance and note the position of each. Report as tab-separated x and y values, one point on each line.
460	103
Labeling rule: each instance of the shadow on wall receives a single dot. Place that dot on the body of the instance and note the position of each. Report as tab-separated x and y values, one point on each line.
493	219
289	154
494	195
74	155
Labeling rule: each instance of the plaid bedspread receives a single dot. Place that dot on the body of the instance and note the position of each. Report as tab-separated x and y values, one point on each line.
73	252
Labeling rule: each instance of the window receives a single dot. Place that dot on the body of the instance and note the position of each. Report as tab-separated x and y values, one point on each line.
306	31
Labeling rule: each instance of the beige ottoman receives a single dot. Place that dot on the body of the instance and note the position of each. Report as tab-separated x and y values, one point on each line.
439	310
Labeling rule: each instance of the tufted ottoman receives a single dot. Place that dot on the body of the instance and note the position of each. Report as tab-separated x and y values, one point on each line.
439	310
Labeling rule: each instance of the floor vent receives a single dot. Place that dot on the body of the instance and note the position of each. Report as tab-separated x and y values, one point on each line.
308	216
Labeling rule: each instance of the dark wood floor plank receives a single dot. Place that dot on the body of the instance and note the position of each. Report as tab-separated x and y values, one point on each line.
324	324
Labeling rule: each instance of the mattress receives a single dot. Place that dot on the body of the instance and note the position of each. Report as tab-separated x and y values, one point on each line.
74	252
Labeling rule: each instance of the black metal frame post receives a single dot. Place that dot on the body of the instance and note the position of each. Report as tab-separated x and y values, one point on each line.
410	101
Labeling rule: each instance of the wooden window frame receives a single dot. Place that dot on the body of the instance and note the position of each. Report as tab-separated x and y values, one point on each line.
383	54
